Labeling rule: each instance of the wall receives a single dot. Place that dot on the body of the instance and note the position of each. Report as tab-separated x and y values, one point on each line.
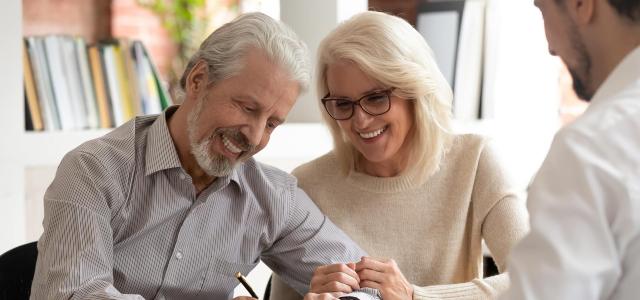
12	212
128	19
312	28
88	18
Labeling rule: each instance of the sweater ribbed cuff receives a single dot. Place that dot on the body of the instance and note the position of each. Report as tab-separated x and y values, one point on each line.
476	289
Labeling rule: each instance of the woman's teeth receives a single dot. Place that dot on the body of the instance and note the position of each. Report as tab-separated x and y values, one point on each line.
368	135
230	146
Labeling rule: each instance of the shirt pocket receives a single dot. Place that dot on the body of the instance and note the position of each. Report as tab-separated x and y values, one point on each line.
220	279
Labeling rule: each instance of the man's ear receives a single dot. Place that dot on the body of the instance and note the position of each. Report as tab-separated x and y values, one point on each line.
198	77
581	11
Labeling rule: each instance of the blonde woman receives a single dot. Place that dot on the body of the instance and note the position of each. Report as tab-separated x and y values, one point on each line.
418	198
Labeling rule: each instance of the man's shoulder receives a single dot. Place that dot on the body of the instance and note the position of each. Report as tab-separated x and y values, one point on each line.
605	126
254	172
602	141
116	149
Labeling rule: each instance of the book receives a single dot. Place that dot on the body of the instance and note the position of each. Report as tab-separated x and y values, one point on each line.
33	105
102	99
74	81
38	60
88	93
165	98
131	75
113	85
71	86
123	83
148	87
59	83
28	121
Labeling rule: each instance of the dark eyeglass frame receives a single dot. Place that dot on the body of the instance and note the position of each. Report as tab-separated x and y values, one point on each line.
387	92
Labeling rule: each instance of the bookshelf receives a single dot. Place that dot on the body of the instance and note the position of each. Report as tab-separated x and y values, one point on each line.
23	154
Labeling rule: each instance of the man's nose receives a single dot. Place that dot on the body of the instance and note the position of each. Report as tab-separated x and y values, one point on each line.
254	132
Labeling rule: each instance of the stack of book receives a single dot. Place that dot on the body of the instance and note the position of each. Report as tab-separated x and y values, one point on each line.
70	85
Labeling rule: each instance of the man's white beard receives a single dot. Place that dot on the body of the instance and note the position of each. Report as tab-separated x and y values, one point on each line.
214	165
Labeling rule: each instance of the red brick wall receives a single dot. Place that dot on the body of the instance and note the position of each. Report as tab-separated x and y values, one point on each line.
406	9
87	18
130	20
96	20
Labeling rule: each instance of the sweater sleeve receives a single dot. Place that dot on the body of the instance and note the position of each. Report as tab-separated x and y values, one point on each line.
477	289
503	218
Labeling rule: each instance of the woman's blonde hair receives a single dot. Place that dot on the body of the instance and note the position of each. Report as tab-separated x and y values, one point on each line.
392	52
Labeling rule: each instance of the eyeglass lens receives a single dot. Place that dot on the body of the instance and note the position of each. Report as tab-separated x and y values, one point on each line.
374	104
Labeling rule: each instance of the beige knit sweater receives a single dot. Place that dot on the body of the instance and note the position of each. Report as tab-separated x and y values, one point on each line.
433	231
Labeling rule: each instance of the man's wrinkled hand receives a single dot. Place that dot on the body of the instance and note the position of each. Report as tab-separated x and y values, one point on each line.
336	278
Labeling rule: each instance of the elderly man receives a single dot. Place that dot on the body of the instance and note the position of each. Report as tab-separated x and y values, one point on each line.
584	202
172	206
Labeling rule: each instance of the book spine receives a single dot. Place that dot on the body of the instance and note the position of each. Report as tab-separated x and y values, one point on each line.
33	105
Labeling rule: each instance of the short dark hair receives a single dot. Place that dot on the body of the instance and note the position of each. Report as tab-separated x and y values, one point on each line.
627	8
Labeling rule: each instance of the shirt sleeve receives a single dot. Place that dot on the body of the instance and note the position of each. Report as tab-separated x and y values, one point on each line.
570	252
309	240
75	251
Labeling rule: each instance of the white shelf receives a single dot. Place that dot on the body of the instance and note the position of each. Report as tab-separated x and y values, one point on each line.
48	148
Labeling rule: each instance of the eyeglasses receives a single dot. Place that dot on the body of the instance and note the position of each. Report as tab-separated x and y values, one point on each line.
375	103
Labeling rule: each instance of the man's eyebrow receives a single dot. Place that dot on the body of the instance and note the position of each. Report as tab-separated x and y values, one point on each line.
252	100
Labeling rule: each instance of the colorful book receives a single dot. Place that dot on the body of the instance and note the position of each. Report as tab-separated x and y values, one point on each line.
59	83
33	106
165	98
39	63
99	83
88	93
123	83
71	68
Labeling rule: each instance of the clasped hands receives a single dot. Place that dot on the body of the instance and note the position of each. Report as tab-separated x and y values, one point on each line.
333	281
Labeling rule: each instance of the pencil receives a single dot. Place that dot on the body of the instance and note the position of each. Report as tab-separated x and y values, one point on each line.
246	285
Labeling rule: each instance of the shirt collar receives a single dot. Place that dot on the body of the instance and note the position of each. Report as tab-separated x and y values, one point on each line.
161	153
624	74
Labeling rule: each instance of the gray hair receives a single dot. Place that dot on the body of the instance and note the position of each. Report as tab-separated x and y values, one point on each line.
226	47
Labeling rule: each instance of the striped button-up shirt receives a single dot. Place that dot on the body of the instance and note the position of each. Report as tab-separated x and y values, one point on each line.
123	221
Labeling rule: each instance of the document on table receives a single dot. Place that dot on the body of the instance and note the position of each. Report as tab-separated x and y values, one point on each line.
363	294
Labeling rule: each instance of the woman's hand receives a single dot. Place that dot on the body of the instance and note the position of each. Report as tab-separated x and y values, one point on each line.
385	276
336	278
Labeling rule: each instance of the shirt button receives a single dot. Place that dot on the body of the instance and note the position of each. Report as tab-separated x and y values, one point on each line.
182	176
179	255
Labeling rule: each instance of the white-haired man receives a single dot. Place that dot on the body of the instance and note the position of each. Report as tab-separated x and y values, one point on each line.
172	206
